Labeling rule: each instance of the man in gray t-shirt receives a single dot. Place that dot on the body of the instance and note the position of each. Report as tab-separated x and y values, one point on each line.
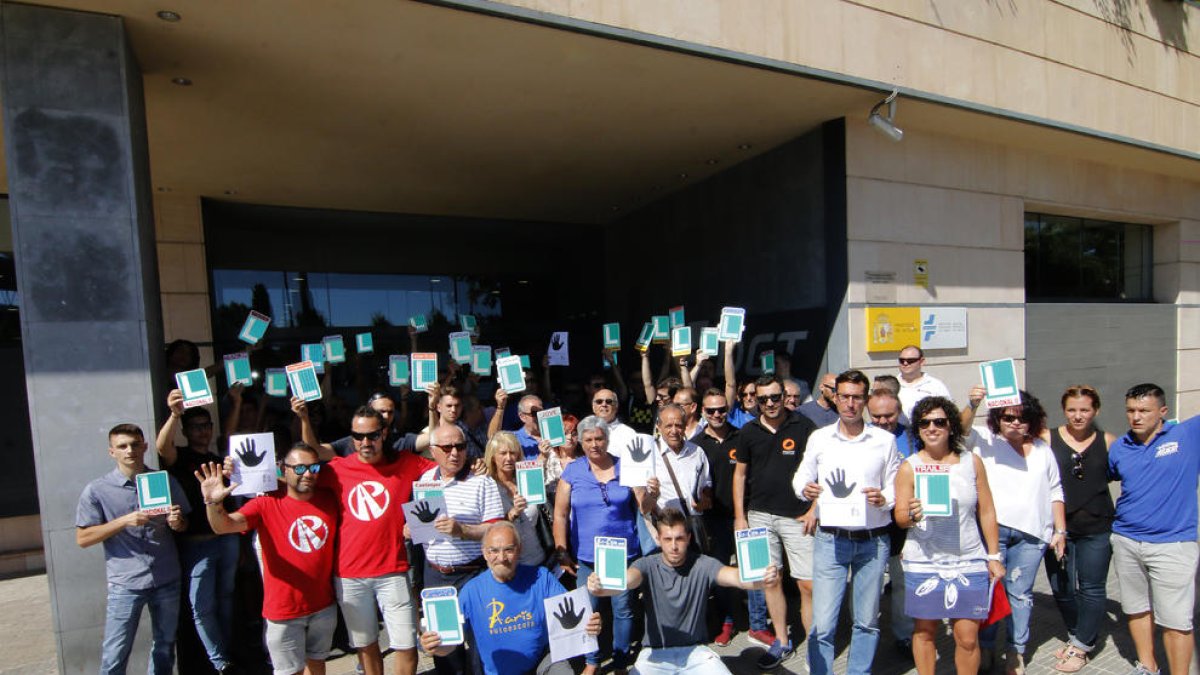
676	583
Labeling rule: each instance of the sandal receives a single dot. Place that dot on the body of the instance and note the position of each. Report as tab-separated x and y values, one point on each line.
1072	661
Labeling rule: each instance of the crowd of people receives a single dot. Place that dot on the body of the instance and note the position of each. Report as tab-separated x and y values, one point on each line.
842	482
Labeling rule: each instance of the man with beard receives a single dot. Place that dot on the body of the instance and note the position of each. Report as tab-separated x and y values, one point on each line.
822	410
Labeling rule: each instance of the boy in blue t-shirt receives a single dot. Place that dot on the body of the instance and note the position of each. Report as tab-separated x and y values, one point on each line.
1154	533
504	610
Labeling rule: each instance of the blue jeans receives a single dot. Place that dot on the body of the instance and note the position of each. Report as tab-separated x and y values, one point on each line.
1077	582
209	566
1021	554
121	622
836	559
622	610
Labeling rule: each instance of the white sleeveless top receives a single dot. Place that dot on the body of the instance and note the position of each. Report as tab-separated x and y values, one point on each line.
948	541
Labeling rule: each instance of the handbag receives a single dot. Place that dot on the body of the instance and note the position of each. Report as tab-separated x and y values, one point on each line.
545	531
700	539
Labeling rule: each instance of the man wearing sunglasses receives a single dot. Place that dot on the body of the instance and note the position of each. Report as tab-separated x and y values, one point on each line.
769	450
296	531
718	439
382	403
371	565
620	435
822	410
858	464
529	434
915	384
472	504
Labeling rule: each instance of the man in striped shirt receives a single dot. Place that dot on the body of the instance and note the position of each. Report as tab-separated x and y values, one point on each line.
472	503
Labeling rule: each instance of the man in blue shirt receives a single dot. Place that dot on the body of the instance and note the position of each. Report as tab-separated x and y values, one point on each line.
141	564
505	613
1154	534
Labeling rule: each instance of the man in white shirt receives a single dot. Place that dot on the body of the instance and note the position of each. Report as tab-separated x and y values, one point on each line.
915	384
688	462
858	465
604	406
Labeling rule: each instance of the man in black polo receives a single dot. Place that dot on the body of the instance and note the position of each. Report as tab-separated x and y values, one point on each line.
769	452
718	439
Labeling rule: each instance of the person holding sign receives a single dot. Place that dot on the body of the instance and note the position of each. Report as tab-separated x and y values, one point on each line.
505	610
140	560
852	468
559	458
209	560
1029	508
676	584
591	502
501	458
296	530
948	566
371	562
1154	533
394	439
769	451
681	477
472	502
1078	579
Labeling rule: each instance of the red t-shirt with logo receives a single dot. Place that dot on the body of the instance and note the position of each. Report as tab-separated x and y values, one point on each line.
297	547
371	520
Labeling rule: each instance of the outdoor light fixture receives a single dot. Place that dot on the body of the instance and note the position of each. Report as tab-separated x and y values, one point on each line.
181	81
168	15
886	125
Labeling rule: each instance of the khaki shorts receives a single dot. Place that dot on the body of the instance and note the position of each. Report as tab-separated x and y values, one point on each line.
787	535
1157	577
358	599
292	642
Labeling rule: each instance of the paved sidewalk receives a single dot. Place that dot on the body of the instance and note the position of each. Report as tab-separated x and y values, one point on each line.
27	646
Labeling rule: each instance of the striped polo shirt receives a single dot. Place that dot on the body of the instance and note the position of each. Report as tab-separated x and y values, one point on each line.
470	500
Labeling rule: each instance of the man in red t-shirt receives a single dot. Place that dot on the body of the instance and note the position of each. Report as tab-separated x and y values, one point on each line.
296	530
371	564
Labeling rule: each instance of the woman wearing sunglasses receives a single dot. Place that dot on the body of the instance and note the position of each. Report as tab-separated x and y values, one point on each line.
1029	508
590	503
1078	580
947	564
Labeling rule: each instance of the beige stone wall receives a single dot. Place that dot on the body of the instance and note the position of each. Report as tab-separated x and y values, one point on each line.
1124	67
182	272
960	204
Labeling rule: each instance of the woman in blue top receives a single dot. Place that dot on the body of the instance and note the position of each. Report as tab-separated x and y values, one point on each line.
591	502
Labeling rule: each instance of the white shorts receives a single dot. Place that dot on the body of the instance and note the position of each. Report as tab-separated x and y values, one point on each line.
358	598
1157	577
292	642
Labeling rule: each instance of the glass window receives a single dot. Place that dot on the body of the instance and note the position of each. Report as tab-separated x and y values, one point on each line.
1069	258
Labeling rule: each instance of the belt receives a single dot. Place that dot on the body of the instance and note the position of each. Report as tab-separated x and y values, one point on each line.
856	535
472	566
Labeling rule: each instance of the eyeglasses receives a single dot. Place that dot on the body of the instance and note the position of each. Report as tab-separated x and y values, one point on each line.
717	411
301	469
531	411
368	436
908	362
1012	419
461	447
662	397
604	401
827	386
1077	469
747	394
939	422
200	426
773	398
846	398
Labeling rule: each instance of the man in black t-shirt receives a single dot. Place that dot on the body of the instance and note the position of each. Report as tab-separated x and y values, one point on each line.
718	439
769	452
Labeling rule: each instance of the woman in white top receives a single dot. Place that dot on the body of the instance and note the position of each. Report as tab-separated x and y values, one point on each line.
501	457
1029	507
947	569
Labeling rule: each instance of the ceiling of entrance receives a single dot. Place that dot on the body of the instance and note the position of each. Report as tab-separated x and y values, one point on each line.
390	105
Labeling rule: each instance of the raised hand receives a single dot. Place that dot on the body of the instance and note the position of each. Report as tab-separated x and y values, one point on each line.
212	483
246	453
639	449
423	513
567	618
299	407
175	402
837	484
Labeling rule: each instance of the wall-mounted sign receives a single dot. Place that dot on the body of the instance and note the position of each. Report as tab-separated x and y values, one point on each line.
890	329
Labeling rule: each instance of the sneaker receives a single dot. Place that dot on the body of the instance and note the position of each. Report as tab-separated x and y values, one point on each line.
1014	663
725	636
1139	669
775	655
762	638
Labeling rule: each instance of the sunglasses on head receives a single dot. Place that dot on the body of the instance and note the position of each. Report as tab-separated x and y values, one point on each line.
908	362
773	398
717	411
939	422
301	469
368	436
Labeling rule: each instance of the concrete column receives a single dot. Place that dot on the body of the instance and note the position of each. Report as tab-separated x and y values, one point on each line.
75	139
